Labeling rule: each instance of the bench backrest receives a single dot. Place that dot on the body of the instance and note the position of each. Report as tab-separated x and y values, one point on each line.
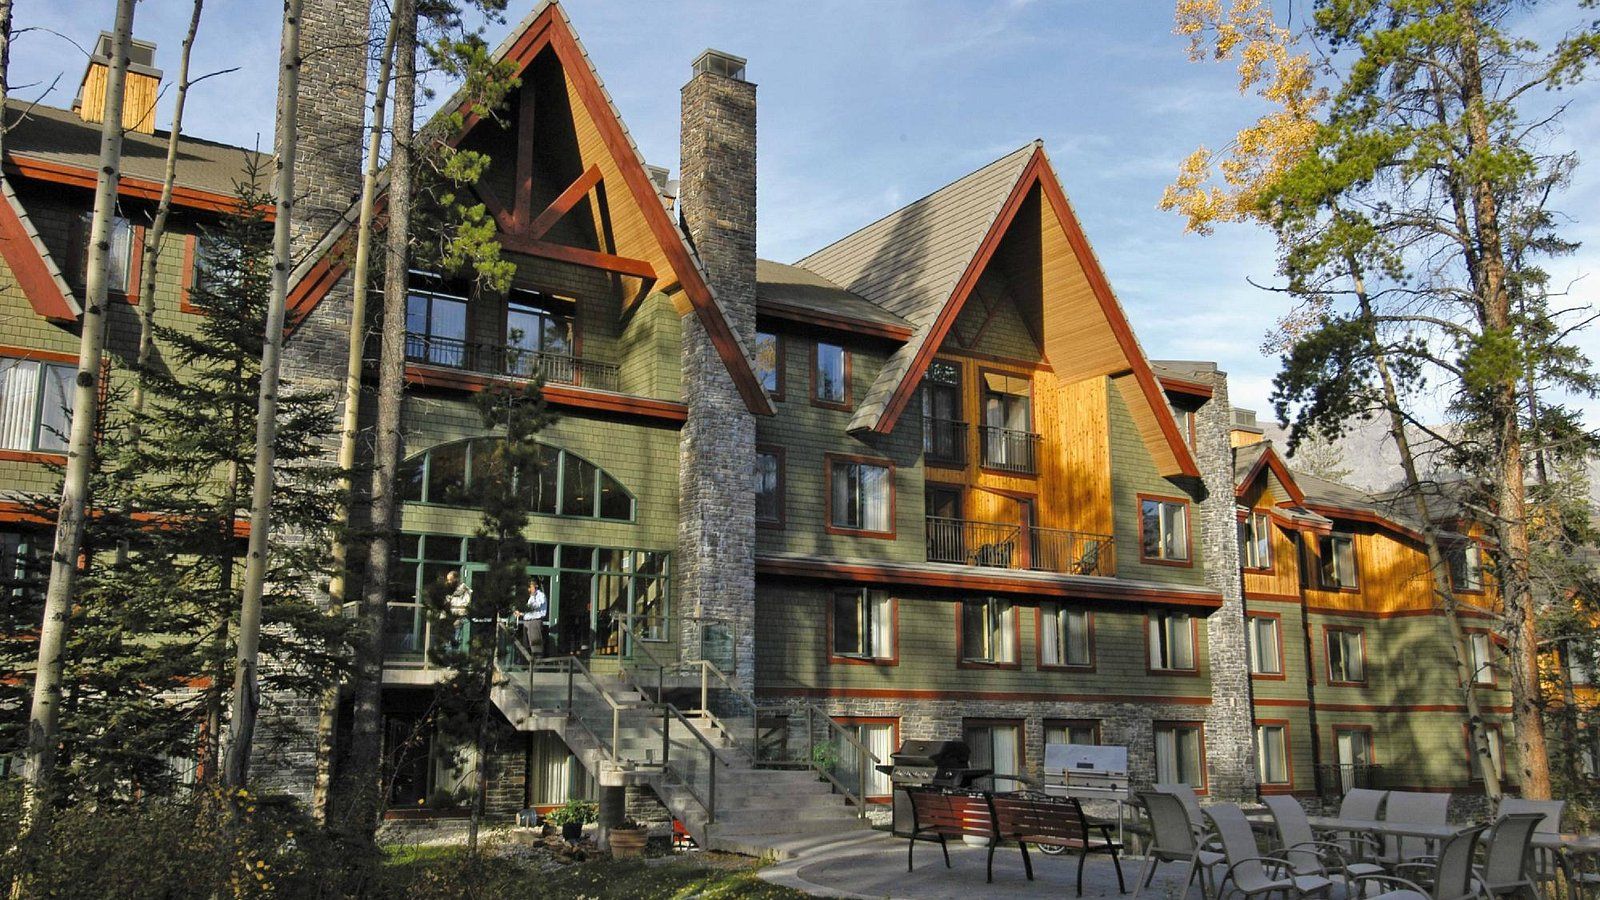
1039	816
949	812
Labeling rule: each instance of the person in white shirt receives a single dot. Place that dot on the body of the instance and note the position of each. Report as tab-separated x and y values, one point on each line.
534	617
459	598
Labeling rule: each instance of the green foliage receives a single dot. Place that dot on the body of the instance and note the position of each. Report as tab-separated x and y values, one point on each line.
574	811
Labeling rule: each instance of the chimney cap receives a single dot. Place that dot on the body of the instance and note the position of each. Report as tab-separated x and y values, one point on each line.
717	62
141	54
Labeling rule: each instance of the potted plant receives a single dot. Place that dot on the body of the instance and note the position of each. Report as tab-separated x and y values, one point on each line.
627	838
571	817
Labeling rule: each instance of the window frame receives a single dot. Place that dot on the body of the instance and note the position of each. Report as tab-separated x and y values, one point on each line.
1328	631
829	460
1372	747
782	487
1188	531
1093	725
958	459
191	257
1248	521
843	405
1472	635
1204	787
1194	644
1251	642
1464	546
543	304
45	359
1355	563
414	289
850	659
561	482
1275	787
1039	620
129	292
778	362
1497	751
963	661
894	741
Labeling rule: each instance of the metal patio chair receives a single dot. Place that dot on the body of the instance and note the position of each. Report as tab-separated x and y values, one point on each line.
1173	839
1547	862
1305	854
1250	873
1412	808
1508	867
1450	877
1191	803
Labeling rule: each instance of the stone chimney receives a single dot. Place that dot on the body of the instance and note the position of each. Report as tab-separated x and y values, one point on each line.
333	103
716	512
139	92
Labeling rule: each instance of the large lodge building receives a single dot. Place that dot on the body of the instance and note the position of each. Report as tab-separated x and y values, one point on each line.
922	482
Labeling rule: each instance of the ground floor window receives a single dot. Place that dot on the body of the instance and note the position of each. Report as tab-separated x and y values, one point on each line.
997	746
1180	753
1272	754
879	737
1353	746
1071	731
554	774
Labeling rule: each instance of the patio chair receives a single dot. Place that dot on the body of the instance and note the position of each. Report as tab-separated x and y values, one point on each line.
1507	857
1450	877
1412	808
1546	860
1251	873
1363	804
1172	839
1305	854
1191	803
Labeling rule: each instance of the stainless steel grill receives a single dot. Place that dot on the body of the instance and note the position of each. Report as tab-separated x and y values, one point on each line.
1088	772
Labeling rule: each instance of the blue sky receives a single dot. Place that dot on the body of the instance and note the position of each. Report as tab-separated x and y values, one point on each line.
867	105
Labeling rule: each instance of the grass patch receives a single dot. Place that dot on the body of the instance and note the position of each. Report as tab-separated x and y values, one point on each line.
440	872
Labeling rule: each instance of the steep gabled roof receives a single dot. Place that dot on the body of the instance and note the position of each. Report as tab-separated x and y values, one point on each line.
1251	460
547	27
923	261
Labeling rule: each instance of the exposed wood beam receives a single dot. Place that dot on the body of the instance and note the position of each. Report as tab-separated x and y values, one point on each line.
502	218
563	204
525	122
593	259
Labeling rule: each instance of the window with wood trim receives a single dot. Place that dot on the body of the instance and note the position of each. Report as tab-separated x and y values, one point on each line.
119	265
1265	645
1171	642
1465	559
1180	753
1347	655
830	375
861	496
1163	530
1497	756
1255	540
880	738
1072	731
989	631
1185	419
767	354
944	428
1480	656
863	625
36	401
436	328
539	335
1009	441
997	746
1065	637
768	477
1337	561
1272	754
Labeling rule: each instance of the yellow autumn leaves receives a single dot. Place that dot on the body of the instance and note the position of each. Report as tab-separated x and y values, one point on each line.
1207	191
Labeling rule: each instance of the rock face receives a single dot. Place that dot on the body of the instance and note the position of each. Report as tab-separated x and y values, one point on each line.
716	511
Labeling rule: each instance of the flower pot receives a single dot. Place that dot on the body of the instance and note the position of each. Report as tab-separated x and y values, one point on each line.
627	841
572	832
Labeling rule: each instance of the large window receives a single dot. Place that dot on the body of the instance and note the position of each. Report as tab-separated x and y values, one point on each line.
1171	642
768	356
1465	558
1480	653
35	405
436	328
1347	656
988	632
1338	561
860	496
830	375
1163	530
996	746
863	625
944	432
1272	754
563	484
539	335
878	737
1065	636
1008	438
768	476
1266	656
1180	754
1255	540
1071	731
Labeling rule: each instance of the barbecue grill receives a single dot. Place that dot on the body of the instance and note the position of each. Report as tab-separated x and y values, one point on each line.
1088	772
924	764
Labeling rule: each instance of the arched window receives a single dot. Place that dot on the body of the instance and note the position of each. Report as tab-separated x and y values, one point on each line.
565	484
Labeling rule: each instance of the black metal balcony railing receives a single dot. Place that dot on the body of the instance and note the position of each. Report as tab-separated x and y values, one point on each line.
944	441
1009	450
1002	546
1338	779
498	359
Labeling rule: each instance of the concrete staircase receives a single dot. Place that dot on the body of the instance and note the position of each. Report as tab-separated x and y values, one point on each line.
702	771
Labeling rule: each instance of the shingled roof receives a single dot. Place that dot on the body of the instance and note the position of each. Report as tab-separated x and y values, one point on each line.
780	286
909	261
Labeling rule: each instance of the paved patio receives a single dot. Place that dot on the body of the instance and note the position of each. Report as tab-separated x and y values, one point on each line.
873	865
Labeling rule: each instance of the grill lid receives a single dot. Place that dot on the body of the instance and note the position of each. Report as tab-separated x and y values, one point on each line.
935	754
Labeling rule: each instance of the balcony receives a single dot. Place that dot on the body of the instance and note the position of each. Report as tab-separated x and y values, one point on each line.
1339	779
944	442
1002	546
1009	450
497	359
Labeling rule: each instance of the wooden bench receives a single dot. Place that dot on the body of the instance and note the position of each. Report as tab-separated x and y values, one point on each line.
940	813
1033	818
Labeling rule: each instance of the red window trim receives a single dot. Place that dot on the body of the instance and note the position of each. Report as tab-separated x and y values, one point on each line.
779	523
894	636
1327	658
1198	725
1016	637
1038	640
845	406
828	459
1355	563
1194	637
1372	745
1283	665
1188	528
1288	756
